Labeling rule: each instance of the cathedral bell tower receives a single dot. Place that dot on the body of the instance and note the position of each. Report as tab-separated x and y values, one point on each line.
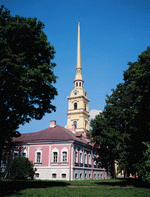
78	103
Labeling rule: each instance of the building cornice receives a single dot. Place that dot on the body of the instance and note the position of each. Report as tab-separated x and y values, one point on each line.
76	97
77	112
44	143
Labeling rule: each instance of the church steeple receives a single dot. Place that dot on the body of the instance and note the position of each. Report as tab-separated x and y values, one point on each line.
78	103
78	49
78	81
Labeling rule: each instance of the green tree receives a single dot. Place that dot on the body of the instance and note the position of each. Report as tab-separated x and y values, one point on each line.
26	73
20	168
124	124
137	79
146	166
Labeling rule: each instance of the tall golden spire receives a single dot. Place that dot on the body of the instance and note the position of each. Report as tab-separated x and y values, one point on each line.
78	68
78	103
78	49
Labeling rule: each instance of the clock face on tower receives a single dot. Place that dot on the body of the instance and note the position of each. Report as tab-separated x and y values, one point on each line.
75	93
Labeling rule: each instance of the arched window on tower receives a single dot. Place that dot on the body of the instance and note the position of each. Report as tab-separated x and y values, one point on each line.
85	107
75	124
75	105
80	84
76	84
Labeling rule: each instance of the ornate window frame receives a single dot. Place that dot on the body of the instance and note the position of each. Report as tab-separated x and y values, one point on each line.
55	150
24	151
89	158
81	157
15	153
38	150
62	156
76	155
85	157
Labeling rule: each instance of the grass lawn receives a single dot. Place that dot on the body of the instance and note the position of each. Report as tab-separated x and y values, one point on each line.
85	188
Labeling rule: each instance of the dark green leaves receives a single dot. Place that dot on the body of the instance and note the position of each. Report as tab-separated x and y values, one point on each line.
125	122
26	72
20	168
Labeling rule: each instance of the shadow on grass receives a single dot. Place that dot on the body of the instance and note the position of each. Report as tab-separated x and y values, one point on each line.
11	187
125	183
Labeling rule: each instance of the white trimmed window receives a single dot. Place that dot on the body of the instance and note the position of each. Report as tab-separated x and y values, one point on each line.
94	157
76	176
89	158
64	156
85	158
54	175
55	157
80	157
37	175
63	176
76	156
38	157
15	154
24	153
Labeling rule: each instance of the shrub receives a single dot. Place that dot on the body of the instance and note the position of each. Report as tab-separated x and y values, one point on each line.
20	168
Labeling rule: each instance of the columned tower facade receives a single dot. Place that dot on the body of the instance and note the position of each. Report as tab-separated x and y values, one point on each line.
78	103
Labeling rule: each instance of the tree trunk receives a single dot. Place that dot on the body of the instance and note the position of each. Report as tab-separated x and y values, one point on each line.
125	174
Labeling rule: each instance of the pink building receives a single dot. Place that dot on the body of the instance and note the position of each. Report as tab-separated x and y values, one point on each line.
60	154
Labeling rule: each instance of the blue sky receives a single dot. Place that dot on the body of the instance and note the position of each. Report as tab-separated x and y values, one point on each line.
113	33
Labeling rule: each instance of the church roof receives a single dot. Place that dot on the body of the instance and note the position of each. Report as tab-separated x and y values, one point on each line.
52	134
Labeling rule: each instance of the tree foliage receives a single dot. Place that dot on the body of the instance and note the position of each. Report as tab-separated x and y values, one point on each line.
146	167
26	73
20	168
125	122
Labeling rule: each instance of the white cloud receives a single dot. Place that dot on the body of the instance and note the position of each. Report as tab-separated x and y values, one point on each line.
94	112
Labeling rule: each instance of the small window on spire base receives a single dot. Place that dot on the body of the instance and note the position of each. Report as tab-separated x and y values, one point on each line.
75	105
